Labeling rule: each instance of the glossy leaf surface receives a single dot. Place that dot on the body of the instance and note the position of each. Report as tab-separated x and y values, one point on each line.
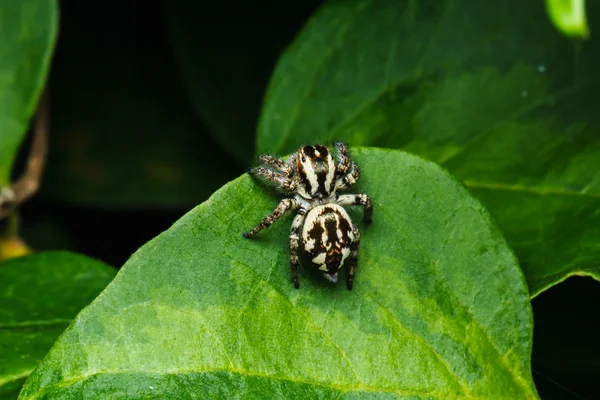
26	45
39	296
440	309
490	90
569	17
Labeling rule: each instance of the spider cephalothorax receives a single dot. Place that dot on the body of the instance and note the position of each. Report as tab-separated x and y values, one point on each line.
322	225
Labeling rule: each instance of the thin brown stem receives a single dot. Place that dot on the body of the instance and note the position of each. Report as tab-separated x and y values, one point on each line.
29	182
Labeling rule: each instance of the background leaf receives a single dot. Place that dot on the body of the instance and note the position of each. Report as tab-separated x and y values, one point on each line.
440	308
489	90
26	45
225	53
40	295
569	17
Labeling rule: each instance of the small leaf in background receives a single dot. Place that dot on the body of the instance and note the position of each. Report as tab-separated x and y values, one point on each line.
26	44
225	53
568	16
440	308
487	89
123	135
39	295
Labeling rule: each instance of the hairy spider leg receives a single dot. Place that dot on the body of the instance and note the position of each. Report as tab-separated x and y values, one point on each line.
353	257
343	157
350	178
283	206
276	163
278	178
294	244
358	200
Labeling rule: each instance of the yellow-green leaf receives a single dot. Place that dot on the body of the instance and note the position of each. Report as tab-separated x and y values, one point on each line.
440	309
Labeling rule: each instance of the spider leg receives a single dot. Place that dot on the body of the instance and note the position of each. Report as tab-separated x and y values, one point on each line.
343	157
358	200
294	245
278	178
276	163
350	178
282	207
353	257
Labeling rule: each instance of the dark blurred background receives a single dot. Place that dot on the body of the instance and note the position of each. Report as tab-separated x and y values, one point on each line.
130	153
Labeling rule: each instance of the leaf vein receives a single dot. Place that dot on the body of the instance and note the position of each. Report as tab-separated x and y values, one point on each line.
543	191
339	387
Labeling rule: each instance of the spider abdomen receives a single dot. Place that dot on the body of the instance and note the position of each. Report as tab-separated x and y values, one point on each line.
327	238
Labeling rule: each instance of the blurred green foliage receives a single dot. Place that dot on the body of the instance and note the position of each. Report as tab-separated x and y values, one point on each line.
569	16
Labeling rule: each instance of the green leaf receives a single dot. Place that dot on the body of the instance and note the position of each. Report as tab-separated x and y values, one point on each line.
122	134
569	17
487	89
440	309
26	45
40	295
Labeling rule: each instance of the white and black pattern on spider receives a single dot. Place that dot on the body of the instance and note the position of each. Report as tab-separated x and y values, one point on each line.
322	227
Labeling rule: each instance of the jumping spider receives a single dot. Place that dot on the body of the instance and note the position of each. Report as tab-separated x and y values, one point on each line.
311	177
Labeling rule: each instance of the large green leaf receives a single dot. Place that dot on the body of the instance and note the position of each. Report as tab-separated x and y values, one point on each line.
26	45
39	295
488	89
440	308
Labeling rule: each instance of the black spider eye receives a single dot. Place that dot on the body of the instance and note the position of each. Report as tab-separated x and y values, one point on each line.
303	159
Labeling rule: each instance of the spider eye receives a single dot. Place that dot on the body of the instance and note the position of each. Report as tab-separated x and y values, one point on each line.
303	159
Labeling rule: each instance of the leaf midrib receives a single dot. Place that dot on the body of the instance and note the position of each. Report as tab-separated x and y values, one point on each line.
15	377
534	189
340	387
343	389
36	324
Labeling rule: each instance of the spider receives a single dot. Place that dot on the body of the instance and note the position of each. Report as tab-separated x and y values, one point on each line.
311	178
